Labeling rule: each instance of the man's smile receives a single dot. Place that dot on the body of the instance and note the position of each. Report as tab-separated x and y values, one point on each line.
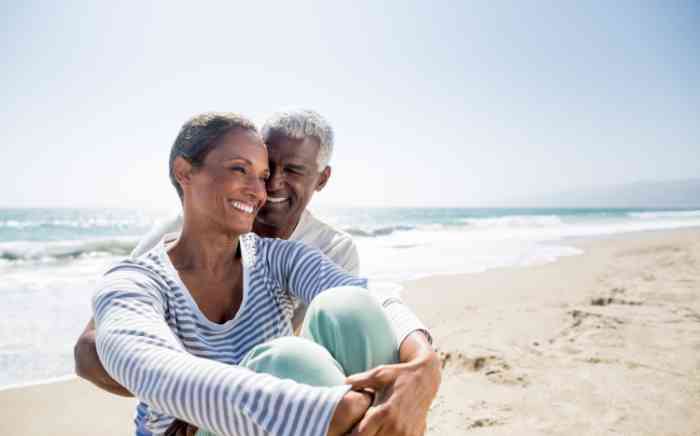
276	199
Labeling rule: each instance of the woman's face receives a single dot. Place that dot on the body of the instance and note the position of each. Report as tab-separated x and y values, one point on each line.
228	189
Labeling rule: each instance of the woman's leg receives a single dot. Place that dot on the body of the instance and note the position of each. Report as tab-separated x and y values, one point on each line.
351	324
345	331
295	358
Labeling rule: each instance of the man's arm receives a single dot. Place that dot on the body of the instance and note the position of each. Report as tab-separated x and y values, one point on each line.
88	365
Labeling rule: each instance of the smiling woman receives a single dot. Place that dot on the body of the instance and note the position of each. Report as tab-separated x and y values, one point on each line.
228	184
199	328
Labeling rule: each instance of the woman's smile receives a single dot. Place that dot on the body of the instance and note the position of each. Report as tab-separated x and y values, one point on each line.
244	207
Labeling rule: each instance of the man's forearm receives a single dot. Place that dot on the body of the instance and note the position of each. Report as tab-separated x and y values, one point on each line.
89	367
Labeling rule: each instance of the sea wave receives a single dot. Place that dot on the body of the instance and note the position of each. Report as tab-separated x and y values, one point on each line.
379	231
515	221
666	214
87	223
23	251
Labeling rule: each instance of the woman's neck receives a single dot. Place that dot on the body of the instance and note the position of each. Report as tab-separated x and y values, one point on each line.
198	249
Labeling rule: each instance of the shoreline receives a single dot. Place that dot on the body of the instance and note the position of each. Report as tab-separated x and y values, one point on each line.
47	381
586	344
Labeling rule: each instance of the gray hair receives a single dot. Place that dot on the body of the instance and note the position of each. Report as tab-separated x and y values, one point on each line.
200	135
299	124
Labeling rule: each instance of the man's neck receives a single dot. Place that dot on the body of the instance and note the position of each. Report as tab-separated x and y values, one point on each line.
268	231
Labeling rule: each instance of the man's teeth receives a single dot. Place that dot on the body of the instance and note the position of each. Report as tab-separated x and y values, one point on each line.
242	206
276	199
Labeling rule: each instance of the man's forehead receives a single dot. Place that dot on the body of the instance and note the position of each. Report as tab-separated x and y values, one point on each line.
282	146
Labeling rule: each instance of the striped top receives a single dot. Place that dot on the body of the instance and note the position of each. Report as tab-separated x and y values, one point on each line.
152	339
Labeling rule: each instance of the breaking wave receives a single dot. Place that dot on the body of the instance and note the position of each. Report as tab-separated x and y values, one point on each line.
380	231
666	214
21	251
515	221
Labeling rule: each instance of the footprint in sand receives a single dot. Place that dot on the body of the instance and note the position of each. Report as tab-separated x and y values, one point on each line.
493	367
483	414
615	296
484	422
588	327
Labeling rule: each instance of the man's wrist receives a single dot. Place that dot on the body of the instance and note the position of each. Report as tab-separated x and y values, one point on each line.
416	345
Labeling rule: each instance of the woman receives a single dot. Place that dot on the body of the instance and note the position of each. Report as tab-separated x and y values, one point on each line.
194	327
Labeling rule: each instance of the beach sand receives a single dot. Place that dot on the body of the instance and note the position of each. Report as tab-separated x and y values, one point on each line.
607	342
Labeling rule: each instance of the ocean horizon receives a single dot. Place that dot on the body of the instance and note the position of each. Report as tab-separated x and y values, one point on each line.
50	258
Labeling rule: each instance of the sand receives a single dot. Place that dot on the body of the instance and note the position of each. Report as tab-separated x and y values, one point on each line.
603	343
607	342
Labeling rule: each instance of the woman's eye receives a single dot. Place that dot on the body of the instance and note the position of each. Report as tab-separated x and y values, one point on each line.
238	169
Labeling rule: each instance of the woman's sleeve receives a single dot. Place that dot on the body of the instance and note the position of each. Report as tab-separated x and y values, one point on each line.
306	272
139	350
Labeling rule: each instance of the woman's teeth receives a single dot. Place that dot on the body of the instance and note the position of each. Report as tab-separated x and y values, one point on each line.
242	207
276	199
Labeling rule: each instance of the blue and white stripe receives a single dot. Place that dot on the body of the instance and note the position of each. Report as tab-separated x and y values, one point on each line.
153	339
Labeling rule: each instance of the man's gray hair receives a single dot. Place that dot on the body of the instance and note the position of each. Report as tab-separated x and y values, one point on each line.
299	124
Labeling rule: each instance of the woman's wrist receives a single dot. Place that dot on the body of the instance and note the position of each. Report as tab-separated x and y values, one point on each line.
350	410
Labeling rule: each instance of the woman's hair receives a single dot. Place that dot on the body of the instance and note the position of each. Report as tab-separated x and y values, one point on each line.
200	135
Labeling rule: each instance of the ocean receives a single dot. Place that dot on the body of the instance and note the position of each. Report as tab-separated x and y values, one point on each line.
50	259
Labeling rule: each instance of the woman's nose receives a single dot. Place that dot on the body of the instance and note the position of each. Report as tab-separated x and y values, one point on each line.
256	186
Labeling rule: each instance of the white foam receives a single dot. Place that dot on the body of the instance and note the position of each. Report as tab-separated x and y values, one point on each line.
515	221
49	251
666	214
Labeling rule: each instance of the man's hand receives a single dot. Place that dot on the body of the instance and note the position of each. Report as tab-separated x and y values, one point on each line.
181	428
404	391
88	365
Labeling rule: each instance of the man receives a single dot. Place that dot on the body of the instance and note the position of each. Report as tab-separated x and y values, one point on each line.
300	144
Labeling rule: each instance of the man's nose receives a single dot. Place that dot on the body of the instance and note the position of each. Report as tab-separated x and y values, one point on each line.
274	182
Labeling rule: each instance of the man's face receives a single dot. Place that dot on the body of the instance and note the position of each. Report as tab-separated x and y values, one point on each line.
294	177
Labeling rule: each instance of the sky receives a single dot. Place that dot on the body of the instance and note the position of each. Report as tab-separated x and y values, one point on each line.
433	103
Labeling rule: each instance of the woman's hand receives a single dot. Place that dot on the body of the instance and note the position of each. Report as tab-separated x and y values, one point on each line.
350	410
405	391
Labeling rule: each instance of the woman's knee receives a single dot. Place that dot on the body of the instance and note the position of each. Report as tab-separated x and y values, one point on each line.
295	358
351	323
346	303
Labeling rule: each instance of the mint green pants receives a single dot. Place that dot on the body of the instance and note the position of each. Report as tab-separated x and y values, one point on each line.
345	331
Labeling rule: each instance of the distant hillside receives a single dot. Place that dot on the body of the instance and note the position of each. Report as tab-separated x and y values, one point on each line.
665	194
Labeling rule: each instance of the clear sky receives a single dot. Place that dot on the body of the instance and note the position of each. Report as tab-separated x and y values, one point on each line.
433	103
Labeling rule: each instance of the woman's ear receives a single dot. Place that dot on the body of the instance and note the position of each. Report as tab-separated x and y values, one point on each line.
182	169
